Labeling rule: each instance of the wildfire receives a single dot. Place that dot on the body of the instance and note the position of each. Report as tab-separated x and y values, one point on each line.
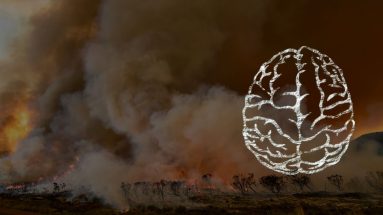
15	128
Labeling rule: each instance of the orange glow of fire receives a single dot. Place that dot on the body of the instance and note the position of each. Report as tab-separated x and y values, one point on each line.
15	128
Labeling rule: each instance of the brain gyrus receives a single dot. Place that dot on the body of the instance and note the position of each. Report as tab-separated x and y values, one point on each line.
298	114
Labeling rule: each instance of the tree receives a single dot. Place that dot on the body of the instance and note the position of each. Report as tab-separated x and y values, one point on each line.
62	186
375	180
301	181
238	184
336	180
176	186
244	183
159	187
56	187
125	187
250	182
273	183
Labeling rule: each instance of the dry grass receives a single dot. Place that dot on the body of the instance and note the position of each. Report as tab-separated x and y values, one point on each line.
219	203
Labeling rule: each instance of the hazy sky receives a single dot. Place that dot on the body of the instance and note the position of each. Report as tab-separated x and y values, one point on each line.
14	19
348	31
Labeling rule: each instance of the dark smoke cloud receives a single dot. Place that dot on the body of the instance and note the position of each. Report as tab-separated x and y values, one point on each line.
118	88
133	90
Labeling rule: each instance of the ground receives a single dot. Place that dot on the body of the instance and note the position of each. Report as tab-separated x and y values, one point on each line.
218	203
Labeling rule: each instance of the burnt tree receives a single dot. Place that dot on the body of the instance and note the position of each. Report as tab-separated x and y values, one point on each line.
336	180
300	181
273	183
244	184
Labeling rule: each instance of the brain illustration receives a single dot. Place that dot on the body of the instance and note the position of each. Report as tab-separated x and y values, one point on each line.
298	114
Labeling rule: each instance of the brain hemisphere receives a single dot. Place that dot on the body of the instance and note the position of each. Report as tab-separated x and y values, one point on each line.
298	115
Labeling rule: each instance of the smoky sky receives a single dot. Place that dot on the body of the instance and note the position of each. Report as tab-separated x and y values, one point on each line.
143	90
348	31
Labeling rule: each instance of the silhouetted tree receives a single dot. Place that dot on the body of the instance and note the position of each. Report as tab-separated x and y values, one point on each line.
251	182
56	187
176	186
375	180
238	184
300	180
62	186
125	187
159	188
244	183
273	183
336	180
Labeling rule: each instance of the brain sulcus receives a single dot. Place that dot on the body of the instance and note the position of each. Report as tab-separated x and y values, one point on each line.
298	114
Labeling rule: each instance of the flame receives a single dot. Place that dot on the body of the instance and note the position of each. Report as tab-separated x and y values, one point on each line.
15	128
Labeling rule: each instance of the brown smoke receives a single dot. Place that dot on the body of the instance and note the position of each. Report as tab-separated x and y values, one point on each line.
129	90
122	83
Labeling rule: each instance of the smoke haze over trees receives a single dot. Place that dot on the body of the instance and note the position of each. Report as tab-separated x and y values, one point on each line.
95	92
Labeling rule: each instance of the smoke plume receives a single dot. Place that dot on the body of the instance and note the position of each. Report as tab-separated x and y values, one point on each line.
110	91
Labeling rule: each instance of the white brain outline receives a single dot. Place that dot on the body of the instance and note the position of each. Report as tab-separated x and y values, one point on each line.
267	138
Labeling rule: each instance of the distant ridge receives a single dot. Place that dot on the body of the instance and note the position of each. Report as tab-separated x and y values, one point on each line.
360	142
378	136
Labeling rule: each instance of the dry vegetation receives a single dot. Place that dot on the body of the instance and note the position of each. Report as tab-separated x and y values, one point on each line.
271	194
